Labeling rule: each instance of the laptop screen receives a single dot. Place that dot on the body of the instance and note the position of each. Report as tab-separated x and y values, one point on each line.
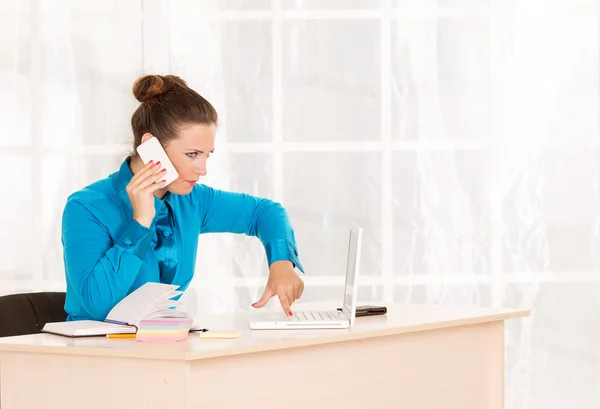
351	288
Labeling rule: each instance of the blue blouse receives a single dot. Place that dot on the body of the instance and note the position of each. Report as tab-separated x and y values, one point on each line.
107	254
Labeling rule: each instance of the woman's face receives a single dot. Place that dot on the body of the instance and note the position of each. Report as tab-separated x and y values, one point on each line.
188	153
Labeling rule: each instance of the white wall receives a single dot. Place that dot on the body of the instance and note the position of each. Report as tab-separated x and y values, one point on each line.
463	135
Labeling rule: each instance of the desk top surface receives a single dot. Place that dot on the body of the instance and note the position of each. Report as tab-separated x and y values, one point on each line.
398	320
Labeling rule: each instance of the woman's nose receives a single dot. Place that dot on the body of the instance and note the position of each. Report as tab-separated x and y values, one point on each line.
201	170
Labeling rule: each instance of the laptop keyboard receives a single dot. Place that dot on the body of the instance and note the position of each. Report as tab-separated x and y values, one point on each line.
316	316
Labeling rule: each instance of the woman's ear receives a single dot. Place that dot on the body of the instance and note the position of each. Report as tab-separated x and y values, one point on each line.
146	136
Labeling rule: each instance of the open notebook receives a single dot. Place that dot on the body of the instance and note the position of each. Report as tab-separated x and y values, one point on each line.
150	301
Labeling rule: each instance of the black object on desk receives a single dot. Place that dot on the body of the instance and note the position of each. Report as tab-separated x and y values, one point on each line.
368	310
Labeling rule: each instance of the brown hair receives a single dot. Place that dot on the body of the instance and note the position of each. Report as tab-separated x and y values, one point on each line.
167	103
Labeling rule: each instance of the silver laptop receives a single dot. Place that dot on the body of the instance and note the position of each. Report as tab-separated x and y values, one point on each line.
338	318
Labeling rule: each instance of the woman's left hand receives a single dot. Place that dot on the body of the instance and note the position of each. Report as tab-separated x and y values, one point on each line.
283	282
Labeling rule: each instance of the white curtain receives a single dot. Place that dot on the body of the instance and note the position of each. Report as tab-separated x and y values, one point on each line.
463	135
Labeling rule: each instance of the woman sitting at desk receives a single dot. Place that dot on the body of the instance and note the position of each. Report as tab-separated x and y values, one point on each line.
129	228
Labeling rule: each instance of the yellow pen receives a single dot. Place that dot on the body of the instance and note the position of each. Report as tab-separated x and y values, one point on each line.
120	336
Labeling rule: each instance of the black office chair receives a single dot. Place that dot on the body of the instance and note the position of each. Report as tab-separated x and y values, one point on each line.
27	313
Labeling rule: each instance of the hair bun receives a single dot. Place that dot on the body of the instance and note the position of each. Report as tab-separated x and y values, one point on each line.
150	86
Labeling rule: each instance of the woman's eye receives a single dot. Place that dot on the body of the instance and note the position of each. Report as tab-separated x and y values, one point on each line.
208	155
192	154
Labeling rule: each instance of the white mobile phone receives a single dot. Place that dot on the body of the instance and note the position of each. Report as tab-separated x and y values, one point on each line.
153	150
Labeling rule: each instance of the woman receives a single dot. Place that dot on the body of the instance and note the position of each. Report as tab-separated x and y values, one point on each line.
128	229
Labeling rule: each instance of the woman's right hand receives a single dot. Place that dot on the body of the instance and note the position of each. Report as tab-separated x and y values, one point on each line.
141	190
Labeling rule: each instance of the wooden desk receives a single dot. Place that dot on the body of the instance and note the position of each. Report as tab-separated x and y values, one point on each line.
414	357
